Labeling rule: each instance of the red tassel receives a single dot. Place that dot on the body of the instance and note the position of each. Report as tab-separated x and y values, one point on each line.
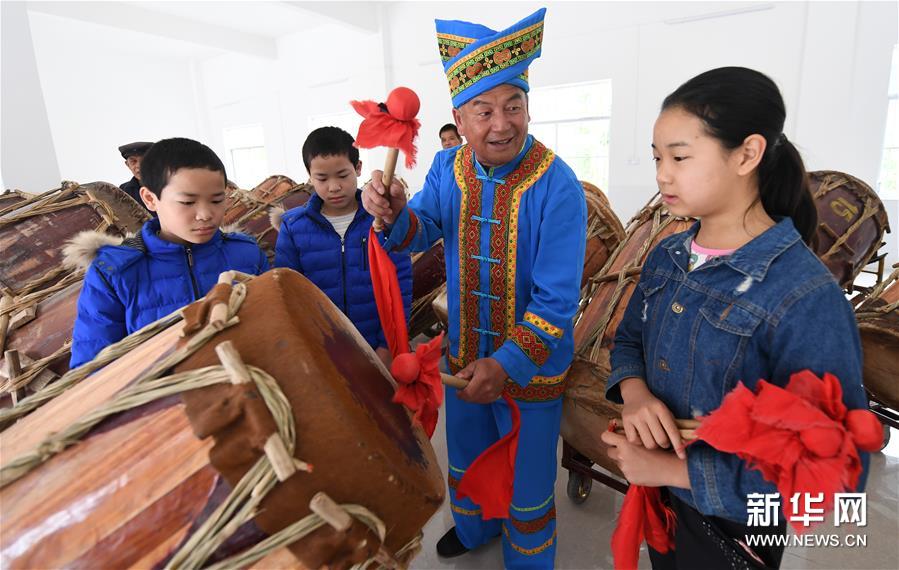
802	438
418	382
488	480
383	129
643	516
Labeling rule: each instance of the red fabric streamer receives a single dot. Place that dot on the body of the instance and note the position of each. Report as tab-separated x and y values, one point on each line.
643	516
488	480
388	296
802	438
392	124
419	386
417	374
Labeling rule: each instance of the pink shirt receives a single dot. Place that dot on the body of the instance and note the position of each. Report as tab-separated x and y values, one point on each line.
699	254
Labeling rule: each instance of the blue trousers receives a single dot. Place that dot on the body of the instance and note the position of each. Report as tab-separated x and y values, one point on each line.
529	534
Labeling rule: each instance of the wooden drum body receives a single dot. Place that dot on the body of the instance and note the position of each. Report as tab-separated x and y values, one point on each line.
604	231
248	211
428	280
40	291
141	482
878	325
244	203
32	235
586	412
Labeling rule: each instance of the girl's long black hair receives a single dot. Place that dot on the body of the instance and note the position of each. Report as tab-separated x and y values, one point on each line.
736	102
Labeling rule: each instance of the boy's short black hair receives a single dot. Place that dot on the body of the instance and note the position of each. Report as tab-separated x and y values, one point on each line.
329	141
168	156
448	127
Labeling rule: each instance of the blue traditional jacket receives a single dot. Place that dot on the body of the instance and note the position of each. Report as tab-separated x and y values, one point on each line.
514	238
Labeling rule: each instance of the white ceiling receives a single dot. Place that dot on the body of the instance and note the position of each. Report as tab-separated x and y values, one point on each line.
270	19
196	29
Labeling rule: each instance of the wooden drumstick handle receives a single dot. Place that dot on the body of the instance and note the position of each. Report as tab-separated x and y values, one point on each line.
387	179
687	428
453	381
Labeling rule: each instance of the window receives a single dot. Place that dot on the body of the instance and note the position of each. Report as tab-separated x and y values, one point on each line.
888	185
573	120
245	147
350	123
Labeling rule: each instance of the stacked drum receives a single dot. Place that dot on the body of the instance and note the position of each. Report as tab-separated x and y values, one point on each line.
586	412
851	223
39	291
249	211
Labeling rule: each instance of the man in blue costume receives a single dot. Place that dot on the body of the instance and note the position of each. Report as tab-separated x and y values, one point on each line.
513	219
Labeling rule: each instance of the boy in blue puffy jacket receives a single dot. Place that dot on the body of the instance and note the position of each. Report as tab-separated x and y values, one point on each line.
174	260
326	239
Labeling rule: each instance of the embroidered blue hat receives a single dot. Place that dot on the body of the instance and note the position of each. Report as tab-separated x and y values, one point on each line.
476	59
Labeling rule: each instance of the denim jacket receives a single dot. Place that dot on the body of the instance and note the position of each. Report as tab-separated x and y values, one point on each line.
764	312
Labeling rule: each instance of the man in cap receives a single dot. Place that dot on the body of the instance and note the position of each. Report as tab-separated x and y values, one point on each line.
133	153
513	219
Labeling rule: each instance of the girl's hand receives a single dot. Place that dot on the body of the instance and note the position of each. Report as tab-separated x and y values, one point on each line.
648	467
648	419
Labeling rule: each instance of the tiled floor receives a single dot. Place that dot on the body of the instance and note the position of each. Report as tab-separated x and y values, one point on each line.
585	530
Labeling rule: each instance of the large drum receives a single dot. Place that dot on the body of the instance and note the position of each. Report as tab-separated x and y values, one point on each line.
878	325
40	292
242	204
33	233
249	211
232	430
604	231
851	223
585	409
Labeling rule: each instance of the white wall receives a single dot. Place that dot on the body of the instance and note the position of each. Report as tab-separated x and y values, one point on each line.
317	72
28	156
103	89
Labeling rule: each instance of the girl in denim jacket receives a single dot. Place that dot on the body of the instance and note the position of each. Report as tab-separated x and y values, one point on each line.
739	297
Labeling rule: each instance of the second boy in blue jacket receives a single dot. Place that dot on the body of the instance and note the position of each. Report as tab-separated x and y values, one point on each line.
327	238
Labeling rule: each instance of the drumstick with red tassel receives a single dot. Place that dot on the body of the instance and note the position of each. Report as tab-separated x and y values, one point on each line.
391	124
488	480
